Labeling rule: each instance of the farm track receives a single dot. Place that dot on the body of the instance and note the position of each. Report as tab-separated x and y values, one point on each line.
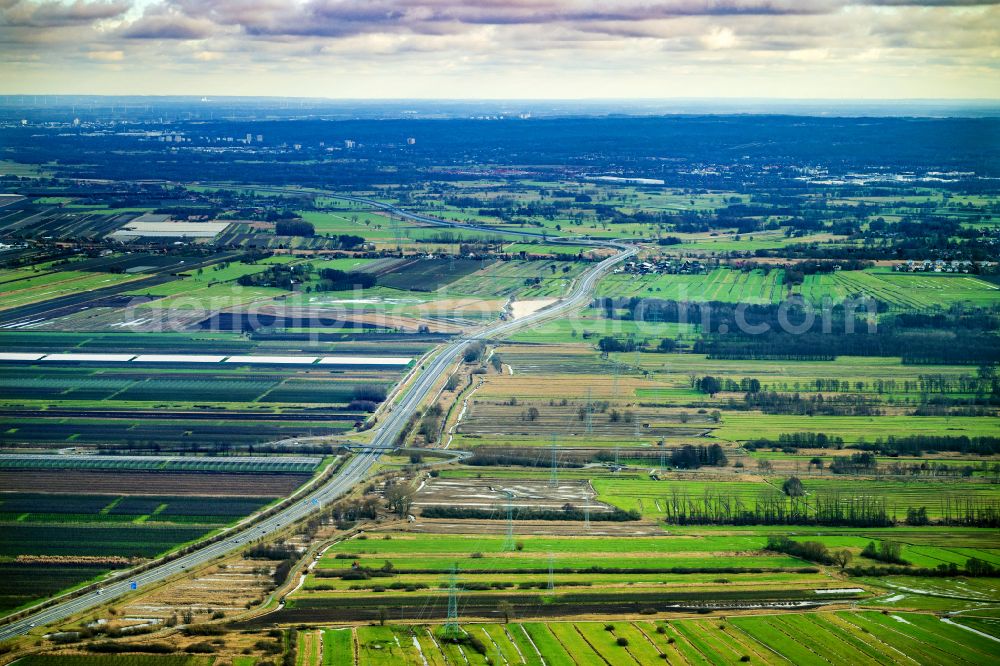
394	420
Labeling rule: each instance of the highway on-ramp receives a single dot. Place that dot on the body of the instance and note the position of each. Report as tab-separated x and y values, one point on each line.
393	420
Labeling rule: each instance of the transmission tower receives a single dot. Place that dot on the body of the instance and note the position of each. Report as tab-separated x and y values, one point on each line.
552	579
554	476
618	451
616	370
394	227
451	625
508	542
586	515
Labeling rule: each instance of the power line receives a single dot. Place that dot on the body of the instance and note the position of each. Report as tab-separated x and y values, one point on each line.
508	542
554	476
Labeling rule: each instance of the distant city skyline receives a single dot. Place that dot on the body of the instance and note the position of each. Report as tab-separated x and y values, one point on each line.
502	49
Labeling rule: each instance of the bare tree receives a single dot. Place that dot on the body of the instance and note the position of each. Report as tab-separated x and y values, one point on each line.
507	610
842	558
399	497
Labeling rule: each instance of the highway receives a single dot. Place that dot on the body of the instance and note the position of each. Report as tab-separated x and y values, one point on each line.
393	420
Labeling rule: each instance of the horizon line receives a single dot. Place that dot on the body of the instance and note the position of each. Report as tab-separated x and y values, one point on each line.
841	100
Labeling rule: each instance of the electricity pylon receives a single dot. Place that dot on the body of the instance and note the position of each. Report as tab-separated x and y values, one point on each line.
450	628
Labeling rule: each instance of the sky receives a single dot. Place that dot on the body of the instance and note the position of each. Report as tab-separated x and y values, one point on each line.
503	49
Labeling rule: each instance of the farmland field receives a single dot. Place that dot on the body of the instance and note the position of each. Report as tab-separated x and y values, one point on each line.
904	290
290	465
575	572
22	288
530	279
399	399
720	285
115	660
101	513
901	290
808	638
938	497
180	406
44	558
582	329
430	274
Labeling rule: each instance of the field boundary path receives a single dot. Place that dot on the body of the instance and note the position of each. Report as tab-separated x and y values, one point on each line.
351	472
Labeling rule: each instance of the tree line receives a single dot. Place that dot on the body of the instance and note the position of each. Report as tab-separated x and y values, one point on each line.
774	508
959	335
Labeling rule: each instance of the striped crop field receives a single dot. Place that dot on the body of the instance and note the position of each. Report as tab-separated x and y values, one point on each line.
721	284
904	290
794	638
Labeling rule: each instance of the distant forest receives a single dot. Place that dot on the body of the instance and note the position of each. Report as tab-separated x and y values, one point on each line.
654	147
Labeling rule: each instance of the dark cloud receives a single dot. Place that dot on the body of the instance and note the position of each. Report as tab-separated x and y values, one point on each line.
932	3
341	18
333	19
478	37
55	14
168	26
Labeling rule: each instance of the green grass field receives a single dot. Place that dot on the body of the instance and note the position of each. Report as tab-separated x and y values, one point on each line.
650	497
721	284
505	278
46	286
904	290
372	226
801	638
589	329
588	568
745	426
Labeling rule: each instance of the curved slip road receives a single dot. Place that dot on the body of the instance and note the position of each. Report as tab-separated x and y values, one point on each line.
393	421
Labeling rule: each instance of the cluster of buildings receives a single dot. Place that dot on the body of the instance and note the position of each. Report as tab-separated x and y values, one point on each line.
663	266
936	266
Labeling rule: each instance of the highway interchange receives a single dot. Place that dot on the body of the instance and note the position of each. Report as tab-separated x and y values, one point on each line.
393	420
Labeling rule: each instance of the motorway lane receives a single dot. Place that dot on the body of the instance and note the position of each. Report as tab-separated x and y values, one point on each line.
352	473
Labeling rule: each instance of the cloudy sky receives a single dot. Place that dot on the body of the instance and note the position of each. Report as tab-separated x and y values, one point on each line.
504	48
